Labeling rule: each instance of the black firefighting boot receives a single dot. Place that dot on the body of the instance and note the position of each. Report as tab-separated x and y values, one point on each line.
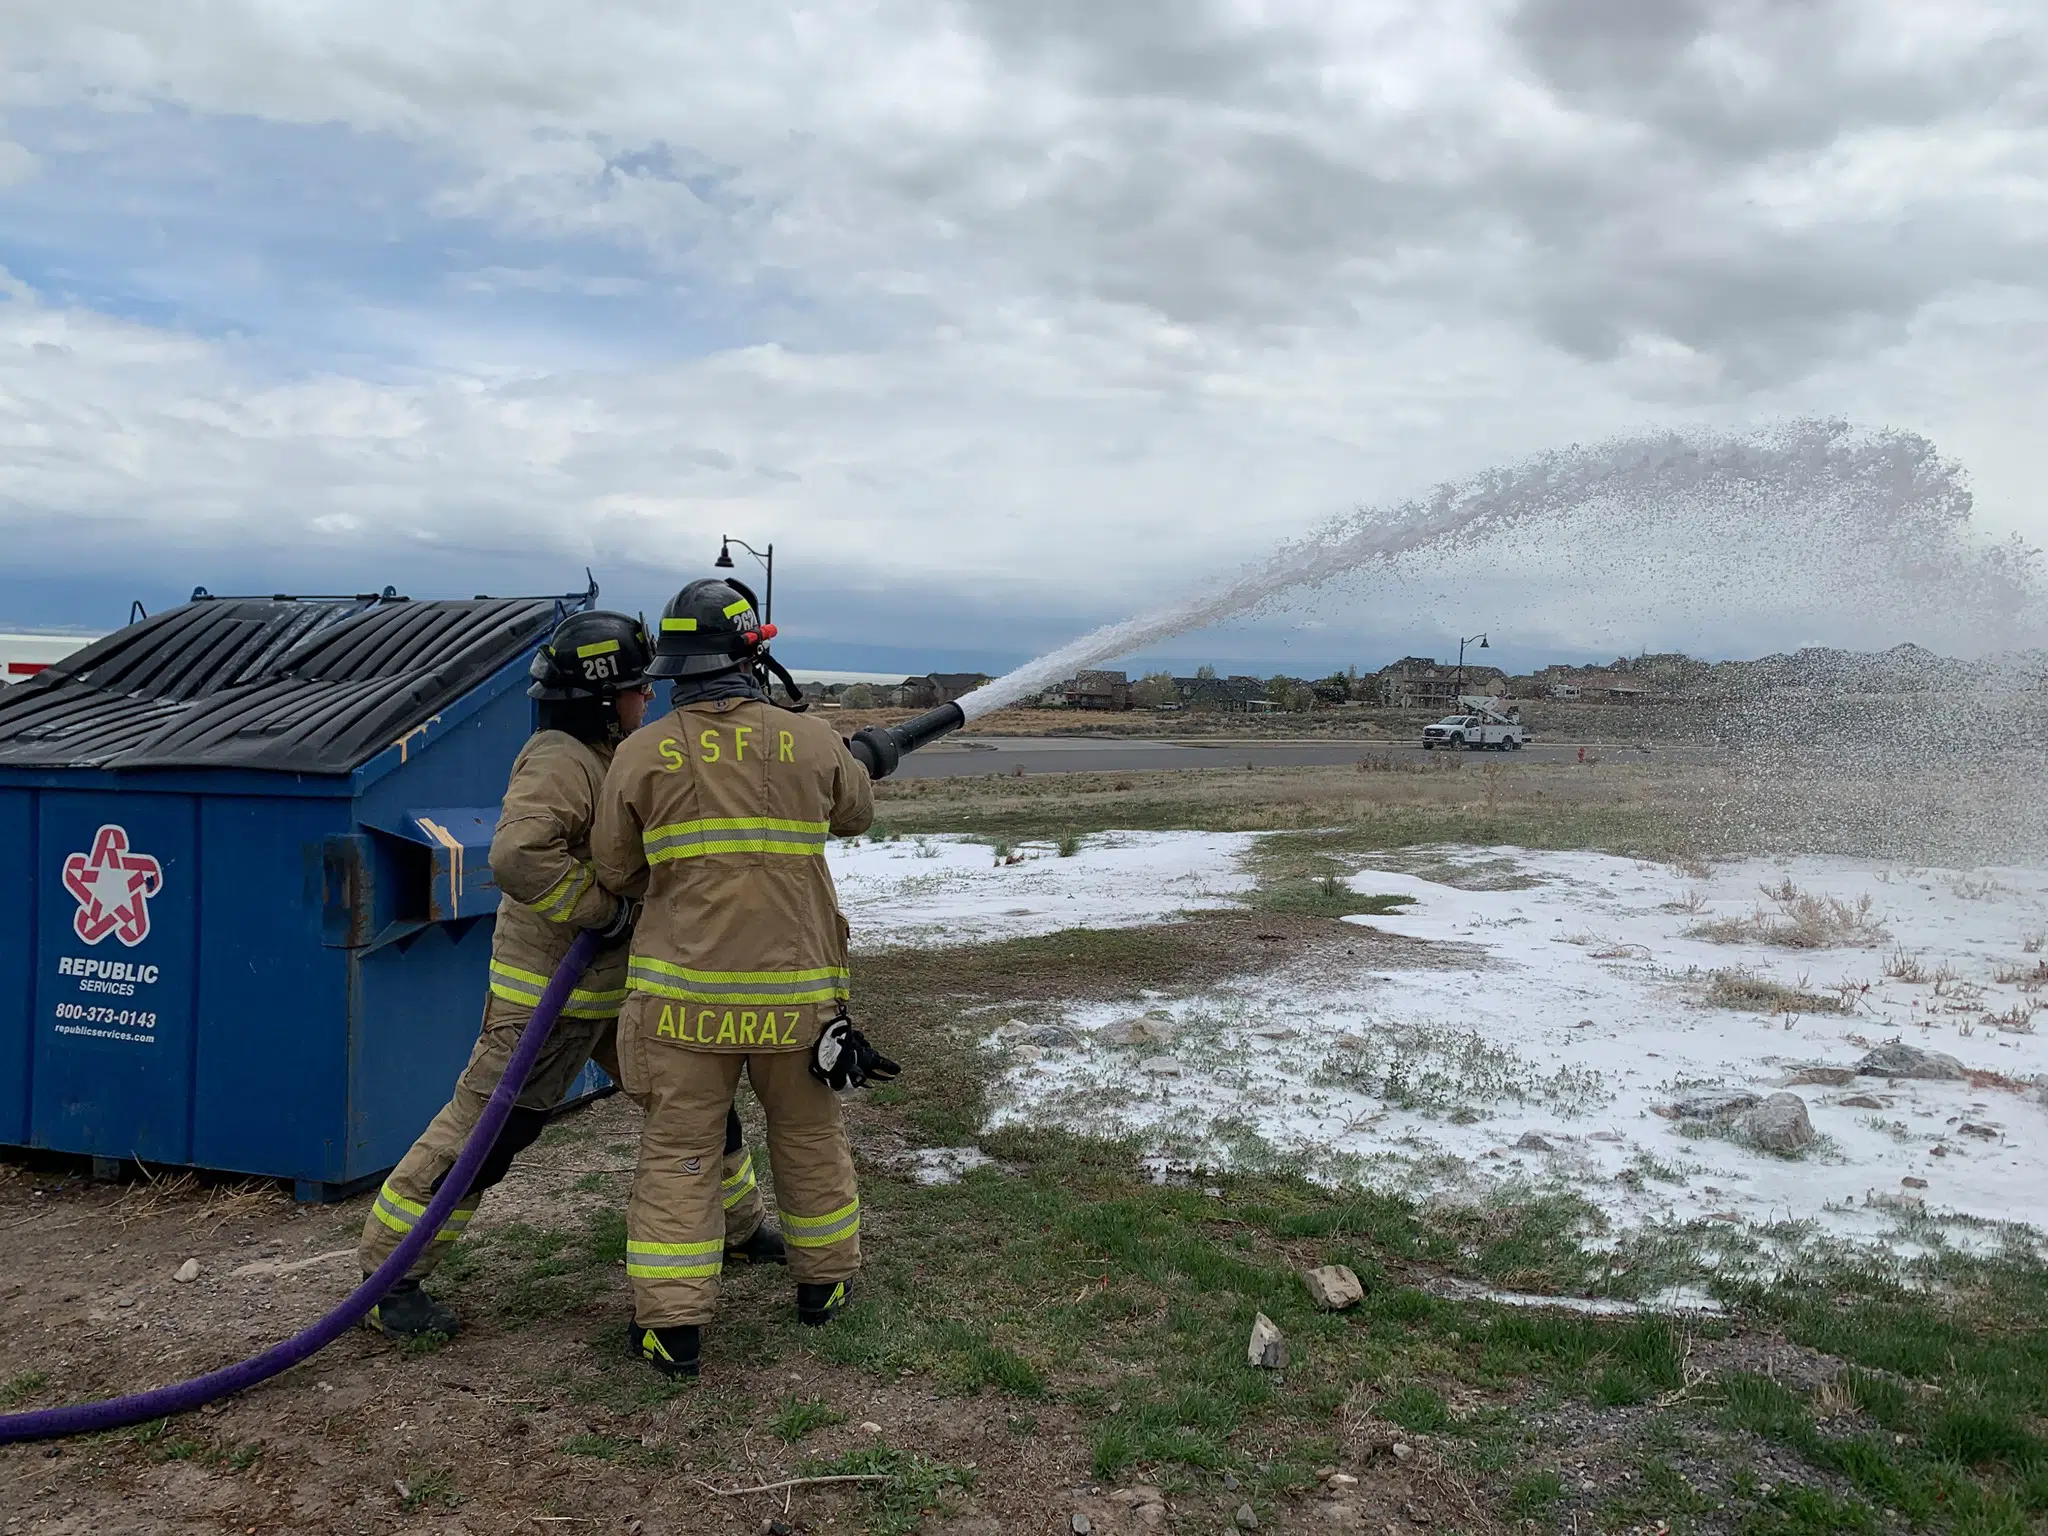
671	1351
407	1312
764	1247
817	1305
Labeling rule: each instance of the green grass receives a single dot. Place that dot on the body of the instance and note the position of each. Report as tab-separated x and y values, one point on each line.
20	1388
1325	897
622	1449
907	1485
797	1417
1534	1495
522	1273
430	1490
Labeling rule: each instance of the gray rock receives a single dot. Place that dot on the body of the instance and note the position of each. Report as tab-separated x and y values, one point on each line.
1144	1030
1717	1104
1333	1287
1081	1524
1161	1066
1230	1482
1779	1124
1247	1518
1268	1346
187	1272
1277	1032
1403	1451
1897	1059
1530	1141
1863	1101
1821	1077
1054	1037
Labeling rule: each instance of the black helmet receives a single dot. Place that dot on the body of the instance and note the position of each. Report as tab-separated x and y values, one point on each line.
593	655
709	627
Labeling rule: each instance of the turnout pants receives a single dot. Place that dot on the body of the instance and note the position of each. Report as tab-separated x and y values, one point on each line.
405	1194
674	1247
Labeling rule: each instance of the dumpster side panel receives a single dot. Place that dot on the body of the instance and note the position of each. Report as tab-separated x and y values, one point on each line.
18	922
118	894
465	762
419	1006
272	1033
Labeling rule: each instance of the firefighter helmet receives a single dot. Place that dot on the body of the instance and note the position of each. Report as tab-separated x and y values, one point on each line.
709	627
594	655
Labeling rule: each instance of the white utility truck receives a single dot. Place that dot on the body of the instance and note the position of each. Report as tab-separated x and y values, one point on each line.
1484	723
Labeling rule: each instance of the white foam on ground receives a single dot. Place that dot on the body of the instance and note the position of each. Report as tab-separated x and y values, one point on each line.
1572	1010
946	890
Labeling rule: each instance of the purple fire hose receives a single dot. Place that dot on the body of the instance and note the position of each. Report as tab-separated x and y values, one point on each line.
184	1396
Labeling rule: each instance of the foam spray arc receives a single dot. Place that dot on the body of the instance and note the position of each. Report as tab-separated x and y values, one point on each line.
1815	497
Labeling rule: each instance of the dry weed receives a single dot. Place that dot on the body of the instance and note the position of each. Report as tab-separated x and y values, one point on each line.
1900	966
1798	920
1693	902
2028	978
1759	994
2032	942
2016	1020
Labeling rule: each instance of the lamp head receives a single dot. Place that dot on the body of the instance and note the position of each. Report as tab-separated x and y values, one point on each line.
724	560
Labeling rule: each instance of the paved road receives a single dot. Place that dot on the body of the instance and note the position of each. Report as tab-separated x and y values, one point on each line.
967	756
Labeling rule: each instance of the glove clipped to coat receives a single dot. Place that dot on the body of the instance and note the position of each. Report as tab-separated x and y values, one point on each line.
841	1057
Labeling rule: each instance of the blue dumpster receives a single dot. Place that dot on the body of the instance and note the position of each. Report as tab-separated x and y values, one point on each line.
245	889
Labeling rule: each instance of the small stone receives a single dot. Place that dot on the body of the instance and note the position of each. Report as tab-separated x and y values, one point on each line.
1343	1480
1324	1474
1142	1495
1779	1124
187	1272
1152	1514
1080	1524
1821	1077
1247	1518
1530	1141
1403	1451
1277	1032
870	1427
1912	1183
1862	1101
1333	1287
1161	1066
1054	1037
1147	1030
1985	1132
1896	1059
1716	1105
1268	1346
1230	1482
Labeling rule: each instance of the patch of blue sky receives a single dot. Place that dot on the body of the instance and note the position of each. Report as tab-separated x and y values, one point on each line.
318	247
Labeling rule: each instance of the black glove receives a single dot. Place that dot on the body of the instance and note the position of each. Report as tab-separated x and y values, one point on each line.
841	1058
621	925
875	750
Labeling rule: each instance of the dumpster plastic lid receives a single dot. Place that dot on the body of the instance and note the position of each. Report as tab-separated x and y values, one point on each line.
286	684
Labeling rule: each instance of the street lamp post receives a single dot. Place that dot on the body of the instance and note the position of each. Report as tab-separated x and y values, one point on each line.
724	563
1467	640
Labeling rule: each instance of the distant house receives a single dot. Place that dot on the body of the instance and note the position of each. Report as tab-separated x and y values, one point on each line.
1602	684
1099	690
1421	682
940	688
1229	695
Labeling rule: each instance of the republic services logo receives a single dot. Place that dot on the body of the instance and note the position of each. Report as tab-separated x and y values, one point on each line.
112	887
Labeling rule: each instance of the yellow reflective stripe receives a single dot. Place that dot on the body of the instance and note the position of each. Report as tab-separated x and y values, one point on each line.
741	1184
822	1231
402	1215
558	902
662	978
600	648
595	1005
679	626
690	973
734	610
674	1261
733	834
526	987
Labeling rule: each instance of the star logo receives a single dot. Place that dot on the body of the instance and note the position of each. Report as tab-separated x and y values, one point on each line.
112	887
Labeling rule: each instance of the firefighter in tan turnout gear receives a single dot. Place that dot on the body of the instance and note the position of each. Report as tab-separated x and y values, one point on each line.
591	682
717	815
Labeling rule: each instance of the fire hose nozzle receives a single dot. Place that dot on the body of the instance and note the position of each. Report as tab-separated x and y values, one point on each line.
879	748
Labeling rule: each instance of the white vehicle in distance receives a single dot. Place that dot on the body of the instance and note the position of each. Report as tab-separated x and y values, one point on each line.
1484	724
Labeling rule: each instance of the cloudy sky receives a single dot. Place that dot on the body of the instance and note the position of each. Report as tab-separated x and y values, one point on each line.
1000	319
